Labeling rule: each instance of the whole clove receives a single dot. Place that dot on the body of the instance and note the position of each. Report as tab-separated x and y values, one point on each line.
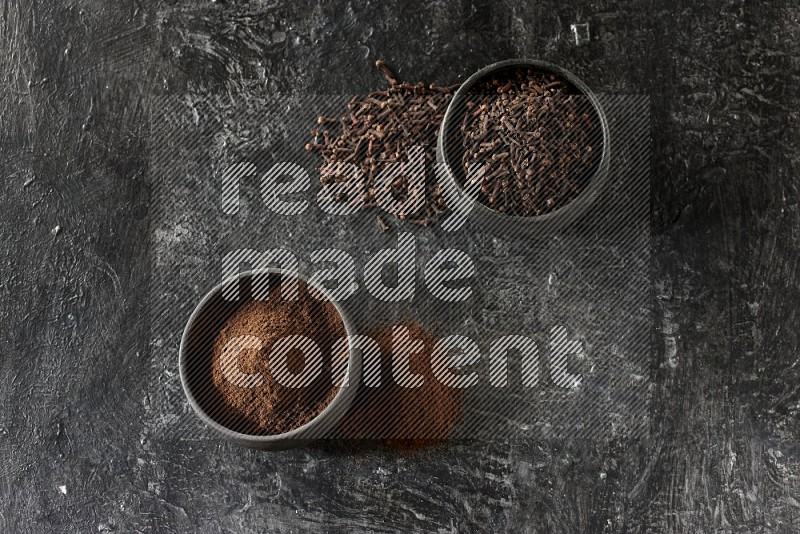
382	224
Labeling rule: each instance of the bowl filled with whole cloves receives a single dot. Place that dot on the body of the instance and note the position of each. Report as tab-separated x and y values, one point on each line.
526	144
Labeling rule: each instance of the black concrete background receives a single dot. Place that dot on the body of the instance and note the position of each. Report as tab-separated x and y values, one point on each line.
79	76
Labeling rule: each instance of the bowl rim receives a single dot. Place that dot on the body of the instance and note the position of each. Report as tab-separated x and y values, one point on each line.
344	395
564	213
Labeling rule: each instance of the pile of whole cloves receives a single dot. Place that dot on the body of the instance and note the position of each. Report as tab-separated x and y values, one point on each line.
537	138
386	127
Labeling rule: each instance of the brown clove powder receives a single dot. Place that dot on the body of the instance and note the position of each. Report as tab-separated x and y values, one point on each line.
402	418
405	418
271	408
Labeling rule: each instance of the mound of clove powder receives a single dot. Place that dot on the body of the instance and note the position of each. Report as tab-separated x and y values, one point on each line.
537	137
243	393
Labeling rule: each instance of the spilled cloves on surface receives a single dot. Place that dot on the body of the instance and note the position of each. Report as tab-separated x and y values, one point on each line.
383	128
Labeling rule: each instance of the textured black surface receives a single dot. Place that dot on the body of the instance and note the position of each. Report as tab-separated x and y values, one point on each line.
590	277
78	379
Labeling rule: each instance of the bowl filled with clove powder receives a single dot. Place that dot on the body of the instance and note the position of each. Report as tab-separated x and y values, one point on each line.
526	144
265	360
